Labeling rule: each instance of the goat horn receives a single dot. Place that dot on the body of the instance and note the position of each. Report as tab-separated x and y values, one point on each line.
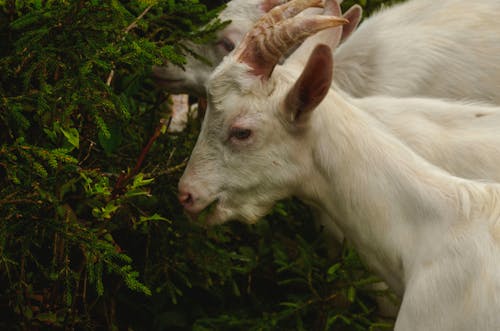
265	44
287	10
275	15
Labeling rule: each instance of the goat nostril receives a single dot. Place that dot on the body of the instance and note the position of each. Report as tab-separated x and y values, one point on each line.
186	199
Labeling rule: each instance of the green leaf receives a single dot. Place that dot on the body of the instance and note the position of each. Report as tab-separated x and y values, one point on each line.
154	217
26	20
73	136
139	181
113	141
333	269
28	313
351	294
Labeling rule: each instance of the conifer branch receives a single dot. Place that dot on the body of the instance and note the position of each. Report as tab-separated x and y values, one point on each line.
127	30
134	23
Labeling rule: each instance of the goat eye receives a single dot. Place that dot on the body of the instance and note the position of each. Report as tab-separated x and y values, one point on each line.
227	44
240	134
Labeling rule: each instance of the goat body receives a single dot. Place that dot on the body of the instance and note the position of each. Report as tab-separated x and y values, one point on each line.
446	49
460	137
434	238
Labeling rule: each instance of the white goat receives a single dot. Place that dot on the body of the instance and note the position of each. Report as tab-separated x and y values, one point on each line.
447	49
242	14
267	135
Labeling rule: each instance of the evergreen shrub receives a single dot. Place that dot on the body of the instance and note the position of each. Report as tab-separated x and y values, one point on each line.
91	234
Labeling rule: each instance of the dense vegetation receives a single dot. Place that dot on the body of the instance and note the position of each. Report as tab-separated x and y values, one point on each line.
91	234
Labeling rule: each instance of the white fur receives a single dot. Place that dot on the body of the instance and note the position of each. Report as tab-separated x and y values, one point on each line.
434	238
447	49
461	137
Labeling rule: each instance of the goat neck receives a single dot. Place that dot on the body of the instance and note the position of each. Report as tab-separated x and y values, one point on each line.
376	188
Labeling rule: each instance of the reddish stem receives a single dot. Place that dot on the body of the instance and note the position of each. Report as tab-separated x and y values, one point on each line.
124	178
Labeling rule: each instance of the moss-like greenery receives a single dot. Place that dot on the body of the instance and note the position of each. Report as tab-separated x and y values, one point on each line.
91	234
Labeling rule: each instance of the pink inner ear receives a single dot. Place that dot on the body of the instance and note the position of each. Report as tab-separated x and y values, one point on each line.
318	77
267	5
353	15
312	85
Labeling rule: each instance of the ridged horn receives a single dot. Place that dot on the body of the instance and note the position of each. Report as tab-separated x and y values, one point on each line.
266	43
287	10
267	5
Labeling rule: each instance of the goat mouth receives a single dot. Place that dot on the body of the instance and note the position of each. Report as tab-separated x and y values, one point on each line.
206	215
162	80
160	76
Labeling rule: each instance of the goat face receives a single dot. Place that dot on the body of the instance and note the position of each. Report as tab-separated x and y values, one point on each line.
255	143
194	74
243	160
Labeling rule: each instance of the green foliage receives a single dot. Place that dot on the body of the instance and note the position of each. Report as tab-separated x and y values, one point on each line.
92	238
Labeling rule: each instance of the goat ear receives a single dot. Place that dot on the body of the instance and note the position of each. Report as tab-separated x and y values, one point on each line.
353	15
311	87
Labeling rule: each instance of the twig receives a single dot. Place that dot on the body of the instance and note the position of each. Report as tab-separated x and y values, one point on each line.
91	145
134	23
170	156
123	178
110	77
127	30
173	169
16	201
